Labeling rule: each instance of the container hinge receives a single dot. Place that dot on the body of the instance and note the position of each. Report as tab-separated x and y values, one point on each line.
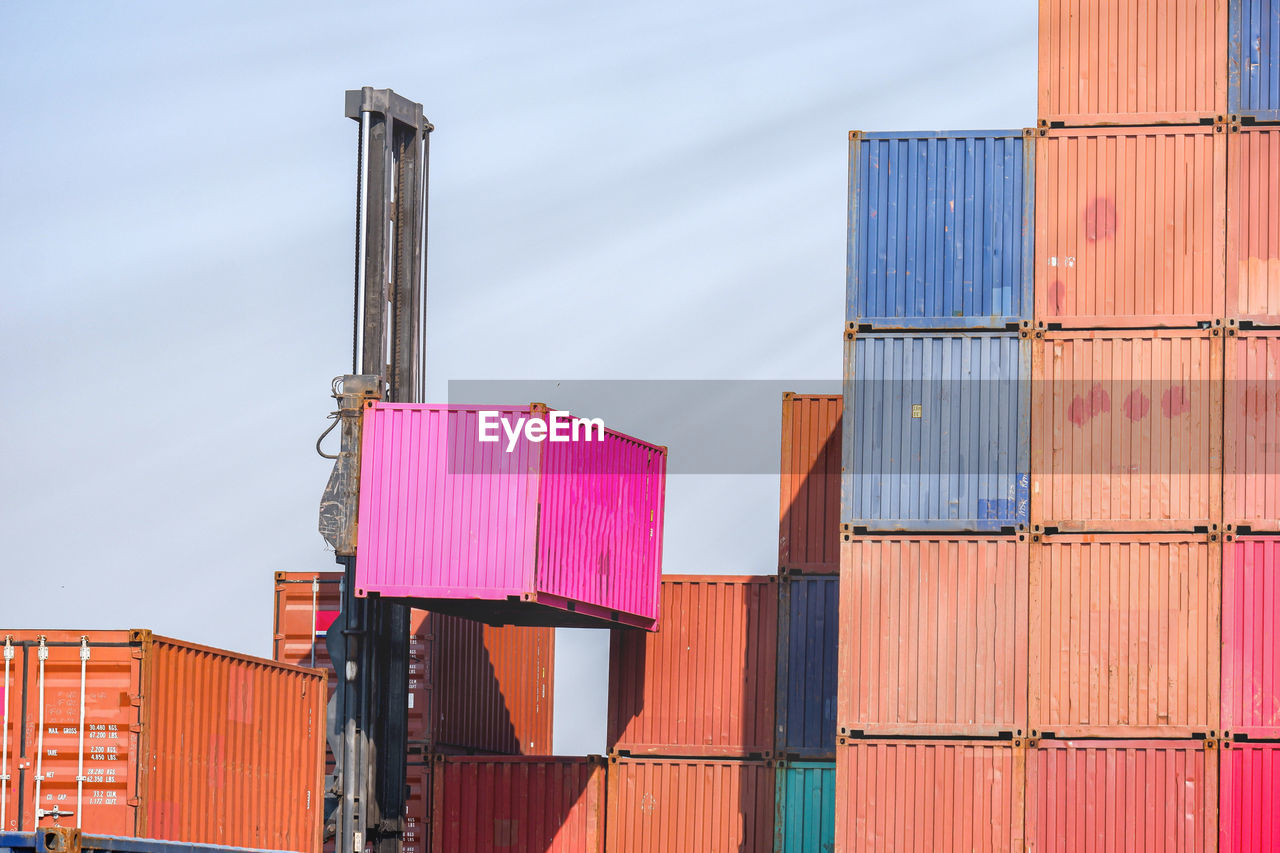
134	801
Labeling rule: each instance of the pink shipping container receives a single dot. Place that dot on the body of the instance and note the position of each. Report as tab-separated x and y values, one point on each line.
1133	62
1130	227
933	636
524	805
705	684
1251	426
1125	636
1121	796
676	805
564	532
1253	226
1250	642
907	796
1250	819
809	505
1126	430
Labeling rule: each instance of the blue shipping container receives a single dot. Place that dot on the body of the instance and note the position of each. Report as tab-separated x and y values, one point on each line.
941	230
805	819
68	840
808	630
936	432
1254	53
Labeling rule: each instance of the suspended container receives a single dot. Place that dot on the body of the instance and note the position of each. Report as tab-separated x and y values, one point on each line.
682	805
1132	63
1122	795
1125	636
562	527
808	629
1254	60
936	432
174	741
705	684
1251	441
805	818
1253	226
809	505
1250	653
943	796
1130	227
940	230
933	636
1250	783
1128	430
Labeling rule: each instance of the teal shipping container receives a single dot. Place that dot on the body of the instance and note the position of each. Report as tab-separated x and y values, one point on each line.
805	821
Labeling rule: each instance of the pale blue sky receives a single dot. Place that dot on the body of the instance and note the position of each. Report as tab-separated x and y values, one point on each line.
643	192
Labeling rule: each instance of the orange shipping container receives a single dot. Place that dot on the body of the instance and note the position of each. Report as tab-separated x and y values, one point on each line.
809	525
1251	425
174	741
905	796
1126	430
704	684
1126	636
1132	61
933	636
674	805
1130	227
1253	225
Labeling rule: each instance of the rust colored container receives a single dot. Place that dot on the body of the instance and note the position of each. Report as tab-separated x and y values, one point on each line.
809	526
417	831
905	796
1253	226
1251	431
522	804
1127	430
1250	783
933	636
1133	62
472	687
704	684
1125	636
1130	227
174	741
1250	651
1118	796
677	805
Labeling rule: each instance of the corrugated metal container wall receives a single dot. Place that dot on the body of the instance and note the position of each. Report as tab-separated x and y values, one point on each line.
1253	225
896	796
526	805
1250	654
1130	227
940	229
559	532
1254	57
805	820
1132	62
1125	636
1251	431
809	516
704	684
180	742
1113	796
933	636
808	631
935	432
417	812
1128	430
1250	784
674	805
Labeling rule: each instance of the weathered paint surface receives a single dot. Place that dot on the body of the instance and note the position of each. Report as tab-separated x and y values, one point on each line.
936	432
1132	62
677	805
808	631
940	229
1101	260
1251	431
1125	635
1250	643
896	796
1254	56
933	636
805	820
417	810
1253	225
705	684
555	532
1120	796
1250	785
809	505
1127	431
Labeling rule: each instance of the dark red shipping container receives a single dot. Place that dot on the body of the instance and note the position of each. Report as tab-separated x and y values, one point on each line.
809	504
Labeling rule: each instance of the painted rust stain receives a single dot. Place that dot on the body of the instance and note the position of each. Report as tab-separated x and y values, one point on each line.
1100	219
